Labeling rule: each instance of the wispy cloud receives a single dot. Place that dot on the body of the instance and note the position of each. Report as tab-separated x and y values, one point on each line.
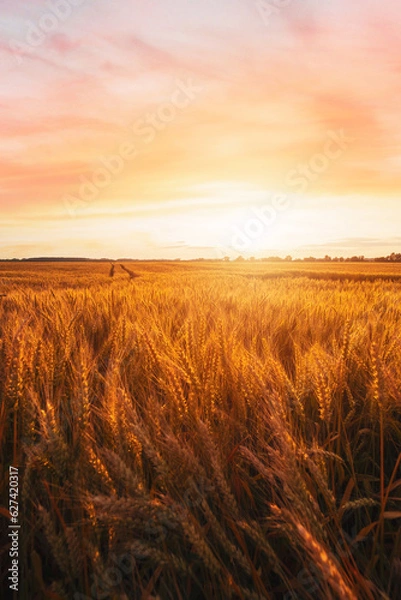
270	95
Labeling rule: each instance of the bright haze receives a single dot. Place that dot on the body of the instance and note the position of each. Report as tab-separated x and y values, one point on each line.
184	129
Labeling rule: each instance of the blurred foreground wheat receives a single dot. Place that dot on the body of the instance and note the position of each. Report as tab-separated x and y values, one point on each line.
221	435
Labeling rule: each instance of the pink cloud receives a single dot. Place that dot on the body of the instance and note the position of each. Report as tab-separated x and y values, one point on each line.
63	44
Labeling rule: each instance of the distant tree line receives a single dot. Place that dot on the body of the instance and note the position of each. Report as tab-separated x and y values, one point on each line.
393	257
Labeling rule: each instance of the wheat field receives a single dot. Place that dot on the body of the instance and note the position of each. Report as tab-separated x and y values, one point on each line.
204	431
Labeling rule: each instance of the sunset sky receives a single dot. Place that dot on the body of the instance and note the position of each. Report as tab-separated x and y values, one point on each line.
189	128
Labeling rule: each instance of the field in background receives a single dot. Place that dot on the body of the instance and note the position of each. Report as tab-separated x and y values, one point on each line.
43	275
203	431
